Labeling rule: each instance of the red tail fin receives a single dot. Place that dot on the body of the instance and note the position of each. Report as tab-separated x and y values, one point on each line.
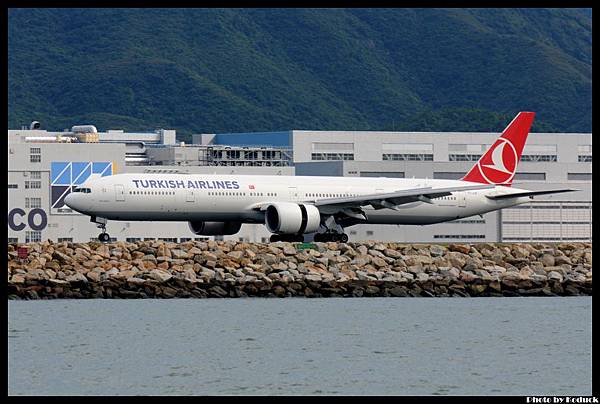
499	163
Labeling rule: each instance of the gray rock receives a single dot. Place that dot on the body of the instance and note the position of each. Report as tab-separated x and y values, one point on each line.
399	291
136	281
553	275
289	249
547	260
313	277
236	255
160	275
388	252
561	260
77	277
436	250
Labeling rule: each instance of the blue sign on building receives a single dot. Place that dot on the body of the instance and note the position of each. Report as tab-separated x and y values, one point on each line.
66	175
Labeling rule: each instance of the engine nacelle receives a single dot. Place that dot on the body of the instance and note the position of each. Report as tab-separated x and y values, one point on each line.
292	218
215	228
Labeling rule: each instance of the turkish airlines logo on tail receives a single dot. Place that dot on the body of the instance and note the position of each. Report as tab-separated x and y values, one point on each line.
500	163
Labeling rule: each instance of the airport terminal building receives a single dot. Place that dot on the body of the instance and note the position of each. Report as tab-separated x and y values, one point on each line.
44	166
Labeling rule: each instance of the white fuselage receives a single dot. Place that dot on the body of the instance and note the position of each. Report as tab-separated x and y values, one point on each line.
202	197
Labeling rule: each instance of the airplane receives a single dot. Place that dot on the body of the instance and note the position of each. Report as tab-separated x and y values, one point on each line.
292	206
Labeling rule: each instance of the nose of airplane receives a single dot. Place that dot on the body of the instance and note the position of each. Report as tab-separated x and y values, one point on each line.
73	201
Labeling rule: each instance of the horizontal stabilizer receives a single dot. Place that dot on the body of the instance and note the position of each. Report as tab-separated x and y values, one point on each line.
529	193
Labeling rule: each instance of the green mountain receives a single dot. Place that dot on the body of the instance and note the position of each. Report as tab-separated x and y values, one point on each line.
222	70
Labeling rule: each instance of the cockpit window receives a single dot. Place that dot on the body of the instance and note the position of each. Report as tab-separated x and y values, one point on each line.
83	190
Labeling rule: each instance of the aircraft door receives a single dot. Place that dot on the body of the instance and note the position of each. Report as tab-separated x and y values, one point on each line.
189	196
119	193
293	193
462	199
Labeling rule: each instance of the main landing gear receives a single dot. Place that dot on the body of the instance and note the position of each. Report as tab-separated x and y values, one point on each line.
290	238
103	237
331	236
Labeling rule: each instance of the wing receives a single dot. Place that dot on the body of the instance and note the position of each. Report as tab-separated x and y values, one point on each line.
352	206
529	193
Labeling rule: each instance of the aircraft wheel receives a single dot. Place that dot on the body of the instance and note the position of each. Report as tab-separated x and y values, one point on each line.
299	238
104	237
274	238
318	238
344	238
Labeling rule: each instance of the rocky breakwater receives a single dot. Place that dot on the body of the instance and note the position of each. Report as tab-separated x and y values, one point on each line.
236	269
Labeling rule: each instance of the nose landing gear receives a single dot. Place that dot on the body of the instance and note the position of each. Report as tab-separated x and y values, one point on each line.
103	237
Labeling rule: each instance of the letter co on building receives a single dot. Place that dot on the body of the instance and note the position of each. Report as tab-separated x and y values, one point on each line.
36	219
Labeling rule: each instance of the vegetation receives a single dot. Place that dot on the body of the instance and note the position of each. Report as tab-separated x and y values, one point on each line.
226	70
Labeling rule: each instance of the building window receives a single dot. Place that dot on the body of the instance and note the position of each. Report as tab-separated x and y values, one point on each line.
332	151
67	239
170	239
407	151
447	175
33	184
464	157
149	239
13	239
184	239
35	175
13	186
332	156
369	232
584	152
33	203
529	176
538	158
579	176
459	236
407	157
35	154
132	239
584	159
33	236
201	238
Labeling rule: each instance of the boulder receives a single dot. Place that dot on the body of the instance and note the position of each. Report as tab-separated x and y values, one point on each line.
554	275
160	275
436	250
76	277
547	260
462	248
179	254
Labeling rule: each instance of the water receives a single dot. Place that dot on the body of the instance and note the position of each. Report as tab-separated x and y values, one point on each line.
372	346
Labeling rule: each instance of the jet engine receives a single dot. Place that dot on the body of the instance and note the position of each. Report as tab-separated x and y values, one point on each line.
292	218
215	228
